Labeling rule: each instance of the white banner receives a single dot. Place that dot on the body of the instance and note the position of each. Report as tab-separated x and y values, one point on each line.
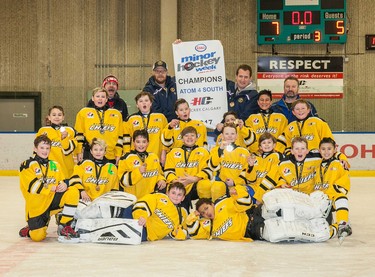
200	79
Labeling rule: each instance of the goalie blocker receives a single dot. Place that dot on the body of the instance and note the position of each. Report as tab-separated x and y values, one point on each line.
98	221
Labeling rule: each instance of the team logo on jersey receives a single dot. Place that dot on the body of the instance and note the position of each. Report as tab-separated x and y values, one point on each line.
240	100
157	119
136	123
113	115
90	115
136	163
177	154
286	171
291	128
206	223
277	119
88	169
312	123
164	201
256	121
38	171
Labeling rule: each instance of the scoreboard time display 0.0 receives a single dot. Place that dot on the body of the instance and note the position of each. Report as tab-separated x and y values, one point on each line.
301	21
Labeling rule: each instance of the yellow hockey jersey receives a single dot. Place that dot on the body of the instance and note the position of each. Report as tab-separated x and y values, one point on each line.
180	161
230	163
154	123
260	123
36	181
230	219
311	128
131	178
95	178
172	138
162	216
61	149
106	124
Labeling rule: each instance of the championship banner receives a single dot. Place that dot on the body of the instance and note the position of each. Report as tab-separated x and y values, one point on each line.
320	77
200	79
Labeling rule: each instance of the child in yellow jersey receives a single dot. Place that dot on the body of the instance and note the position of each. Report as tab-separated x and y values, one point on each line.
188	165
99	122
96	176
45	192
139	171
245	137
266	164
171	135
307	126
63	140
162	215
333	179
229	161
154	123
266	121
229	218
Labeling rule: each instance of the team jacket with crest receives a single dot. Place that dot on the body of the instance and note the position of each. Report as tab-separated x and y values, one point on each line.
245	137
163	217
260	123
194	162
36	179
95	177
230	219
135	182
154	123
298	175
61	149
88	127
264	165
171	138
230	163
311	128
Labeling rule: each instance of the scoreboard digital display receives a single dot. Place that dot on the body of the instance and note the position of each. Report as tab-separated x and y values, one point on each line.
301	21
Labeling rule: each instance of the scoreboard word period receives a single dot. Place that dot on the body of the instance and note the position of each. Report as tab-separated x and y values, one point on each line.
301	21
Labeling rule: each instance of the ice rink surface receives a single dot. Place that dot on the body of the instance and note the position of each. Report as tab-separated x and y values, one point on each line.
22	257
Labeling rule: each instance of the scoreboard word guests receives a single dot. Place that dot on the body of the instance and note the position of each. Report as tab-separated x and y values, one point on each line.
301	21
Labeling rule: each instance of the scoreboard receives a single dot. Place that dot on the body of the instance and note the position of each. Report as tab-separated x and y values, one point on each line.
301	21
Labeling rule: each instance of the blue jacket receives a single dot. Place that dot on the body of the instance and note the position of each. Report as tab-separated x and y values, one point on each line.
281	107
164	98
245	103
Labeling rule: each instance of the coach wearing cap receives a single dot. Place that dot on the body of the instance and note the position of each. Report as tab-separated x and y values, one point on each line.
163	88
110	83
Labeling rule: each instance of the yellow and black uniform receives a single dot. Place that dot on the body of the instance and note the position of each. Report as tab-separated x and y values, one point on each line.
191	161
266	164
229	163
162	216
132	180
96	177
266	121
37	177
61	149
245	138
312	128
333	179
154	123
231	222
171	137
105	124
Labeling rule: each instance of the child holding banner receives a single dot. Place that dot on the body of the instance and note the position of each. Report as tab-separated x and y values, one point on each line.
171	135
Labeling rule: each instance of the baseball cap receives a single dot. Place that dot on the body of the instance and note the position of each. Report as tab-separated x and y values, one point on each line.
160	63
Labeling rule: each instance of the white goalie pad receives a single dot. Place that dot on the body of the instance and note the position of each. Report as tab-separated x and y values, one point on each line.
108	205
301	230
292	205
109	230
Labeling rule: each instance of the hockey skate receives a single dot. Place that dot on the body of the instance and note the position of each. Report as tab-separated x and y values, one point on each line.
343	231
66	234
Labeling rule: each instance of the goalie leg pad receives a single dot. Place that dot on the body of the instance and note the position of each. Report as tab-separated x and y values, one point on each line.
302	230
109	230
